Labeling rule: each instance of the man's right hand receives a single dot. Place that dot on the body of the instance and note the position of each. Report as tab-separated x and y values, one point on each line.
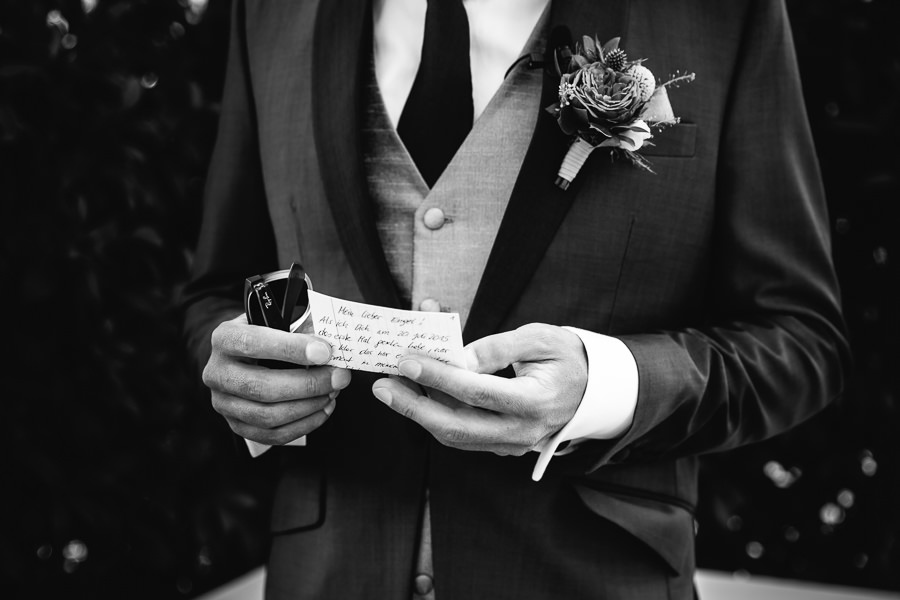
271	406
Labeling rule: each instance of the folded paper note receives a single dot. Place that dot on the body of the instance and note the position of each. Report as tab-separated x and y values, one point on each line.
372	338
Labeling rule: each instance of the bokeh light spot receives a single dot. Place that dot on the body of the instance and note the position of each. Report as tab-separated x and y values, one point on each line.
74	553
194	11
75	550
55	19
176	30
755	550
781	477
204	559
791	534
831	514
149	80
869	466
846	498
184	585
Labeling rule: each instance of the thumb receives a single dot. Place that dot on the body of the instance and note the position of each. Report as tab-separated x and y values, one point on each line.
529	343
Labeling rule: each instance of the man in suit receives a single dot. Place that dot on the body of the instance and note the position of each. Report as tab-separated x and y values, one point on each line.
648	318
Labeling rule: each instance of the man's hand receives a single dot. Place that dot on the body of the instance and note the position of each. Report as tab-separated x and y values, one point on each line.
473	410
271	406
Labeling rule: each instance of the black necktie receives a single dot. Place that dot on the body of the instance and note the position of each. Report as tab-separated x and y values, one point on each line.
438	113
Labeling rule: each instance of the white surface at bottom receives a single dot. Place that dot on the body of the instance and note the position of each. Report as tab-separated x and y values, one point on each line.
718	585
711	585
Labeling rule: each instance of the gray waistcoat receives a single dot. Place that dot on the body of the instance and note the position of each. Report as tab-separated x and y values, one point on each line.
437	241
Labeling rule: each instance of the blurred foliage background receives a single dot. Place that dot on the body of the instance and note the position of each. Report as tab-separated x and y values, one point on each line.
119	481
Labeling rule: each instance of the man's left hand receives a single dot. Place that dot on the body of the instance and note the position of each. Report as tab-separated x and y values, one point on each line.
471	409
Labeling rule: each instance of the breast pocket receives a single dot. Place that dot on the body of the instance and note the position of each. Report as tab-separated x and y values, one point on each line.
675	141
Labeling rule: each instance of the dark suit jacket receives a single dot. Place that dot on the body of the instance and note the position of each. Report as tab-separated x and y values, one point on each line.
715	271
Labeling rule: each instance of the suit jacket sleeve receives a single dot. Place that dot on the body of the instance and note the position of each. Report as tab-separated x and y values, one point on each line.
772	351
236	239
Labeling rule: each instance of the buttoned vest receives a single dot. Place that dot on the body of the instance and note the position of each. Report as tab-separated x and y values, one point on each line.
437	241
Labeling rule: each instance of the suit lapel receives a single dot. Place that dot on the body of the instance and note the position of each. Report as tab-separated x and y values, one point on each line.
341	48
536	206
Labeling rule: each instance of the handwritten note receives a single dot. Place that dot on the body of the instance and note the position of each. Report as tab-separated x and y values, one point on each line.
372	338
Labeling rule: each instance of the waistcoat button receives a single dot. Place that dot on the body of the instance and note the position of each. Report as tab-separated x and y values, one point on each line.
433	218
430	305
423	584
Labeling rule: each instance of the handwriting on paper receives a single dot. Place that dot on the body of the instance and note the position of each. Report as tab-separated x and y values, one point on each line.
372	338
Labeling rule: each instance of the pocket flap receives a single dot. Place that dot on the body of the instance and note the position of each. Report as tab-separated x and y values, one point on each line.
299	500
666	528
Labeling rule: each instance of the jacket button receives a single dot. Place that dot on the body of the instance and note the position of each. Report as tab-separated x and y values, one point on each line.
430	305
433	218
423	584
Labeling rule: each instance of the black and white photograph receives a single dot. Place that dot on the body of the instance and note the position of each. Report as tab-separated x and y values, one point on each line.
450	299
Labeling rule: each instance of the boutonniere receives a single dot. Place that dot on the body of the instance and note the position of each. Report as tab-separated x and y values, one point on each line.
608	101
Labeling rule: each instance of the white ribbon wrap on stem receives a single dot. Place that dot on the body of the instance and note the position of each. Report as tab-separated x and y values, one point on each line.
576	156
630	139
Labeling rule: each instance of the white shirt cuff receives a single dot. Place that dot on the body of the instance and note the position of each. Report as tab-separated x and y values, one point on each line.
256	448
610	397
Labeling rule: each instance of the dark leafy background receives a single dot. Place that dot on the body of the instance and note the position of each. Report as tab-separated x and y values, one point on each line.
119	481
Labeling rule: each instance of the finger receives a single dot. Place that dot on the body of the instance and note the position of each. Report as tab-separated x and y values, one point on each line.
461	427
260	384
286	433
475	389
529	343
436	395
412	385
267	416
237	338
442	398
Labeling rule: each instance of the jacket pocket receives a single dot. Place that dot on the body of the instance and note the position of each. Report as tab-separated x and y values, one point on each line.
676	141
666	528
299	503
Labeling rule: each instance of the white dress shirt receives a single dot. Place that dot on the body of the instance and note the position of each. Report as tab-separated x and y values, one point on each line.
498	31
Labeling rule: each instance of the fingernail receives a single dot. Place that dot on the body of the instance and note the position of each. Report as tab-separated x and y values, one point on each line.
329	408
318	353
410	368
383	395
340	378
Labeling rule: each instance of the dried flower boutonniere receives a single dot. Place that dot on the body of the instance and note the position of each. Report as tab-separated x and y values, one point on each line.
607	101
